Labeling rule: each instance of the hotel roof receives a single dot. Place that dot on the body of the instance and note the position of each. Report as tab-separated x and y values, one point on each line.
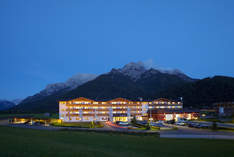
119	99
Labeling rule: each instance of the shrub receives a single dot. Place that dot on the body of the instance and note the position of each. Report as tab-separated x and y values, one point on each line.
214	126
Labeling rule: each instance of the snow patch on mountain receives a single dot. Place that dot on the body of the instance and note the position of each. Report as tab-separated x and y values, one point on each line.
17	101
70	84
135	70
5	104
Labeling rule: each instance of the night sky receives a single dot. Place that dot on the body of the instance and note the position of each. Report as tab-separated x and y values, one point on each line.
48	41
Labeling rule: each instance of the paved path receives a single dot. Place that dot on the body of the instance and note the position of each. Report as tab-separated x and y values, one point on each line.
227	137
186	132
4	122
107	128
225	125
182	132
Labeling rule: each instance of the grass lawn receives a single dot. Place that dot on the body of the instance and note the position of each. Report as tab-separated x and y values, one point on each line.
40	143
225	129
217	120
79	124
39	115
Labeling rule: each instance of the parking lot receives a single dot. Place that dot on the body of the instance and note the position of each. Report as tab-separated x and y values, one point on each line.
195	132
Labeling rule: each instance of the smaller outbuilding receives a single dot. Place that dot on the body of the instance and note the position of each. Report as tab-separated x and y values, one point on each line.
167	115
225	108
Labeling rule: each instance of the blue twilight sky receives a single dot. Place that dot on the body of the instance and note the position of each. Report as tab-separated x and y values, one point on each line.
48	41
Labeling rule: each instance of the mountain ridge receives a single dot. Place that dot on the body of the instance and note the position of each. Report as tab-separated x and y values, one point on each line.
54	88
5	105
135	81
131	81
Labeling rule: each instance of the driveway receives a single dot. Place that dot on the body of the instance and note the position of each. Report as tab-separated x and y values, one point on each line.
186	132
225	125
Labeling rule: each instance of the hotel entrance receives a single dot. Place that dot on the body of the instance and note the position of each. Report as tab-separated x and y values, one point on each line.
122	119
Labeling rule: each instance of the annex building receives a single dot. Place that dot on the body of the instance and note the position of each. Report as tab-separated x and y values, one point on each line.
82	109
225	108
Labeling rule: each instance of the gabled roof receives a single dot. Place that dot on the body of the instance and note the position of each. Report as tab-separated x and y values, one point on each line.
163	99
119	100
170	111
81	99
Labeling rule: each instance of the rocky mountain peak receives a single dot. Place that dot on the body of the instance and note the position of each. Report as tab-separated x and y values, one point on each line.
70	84
133	70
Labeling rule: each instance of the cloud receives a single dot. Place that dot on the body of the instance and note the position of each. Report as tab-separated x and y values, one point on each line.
149	63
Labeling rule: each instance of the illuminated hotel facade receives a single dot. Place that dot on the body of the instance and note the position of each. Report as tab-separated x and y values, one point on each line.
119	109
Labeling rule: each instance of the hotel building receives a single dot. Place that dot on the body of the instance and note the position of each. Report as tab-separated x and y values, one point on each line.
119	109
224	108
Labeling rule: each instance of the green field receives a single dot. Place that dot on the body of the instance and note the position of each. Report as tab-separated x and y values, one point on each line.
40	143
79	124
39	115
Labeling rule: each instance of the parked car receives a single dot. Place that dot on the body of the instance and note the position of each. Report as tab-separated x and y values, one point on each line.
191	124
142	122
122	123
29	123
39	123
170	122
156	124
204	125
180	123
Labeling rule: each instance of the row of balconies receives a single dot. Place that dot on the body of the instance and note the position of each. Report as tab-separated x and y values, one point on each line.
104	106
114	112
122	103
100	110
150	107
97	115
118	109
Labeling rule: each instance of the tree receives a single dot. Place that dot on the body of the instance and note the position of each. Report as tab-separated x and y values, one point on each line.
214	125
147	126
92	124
134	121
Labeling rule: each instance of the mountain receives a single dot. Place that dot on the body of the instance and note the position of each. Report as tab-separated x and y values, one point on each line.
136	70
132	81
4	105
203	93
17	101
62	87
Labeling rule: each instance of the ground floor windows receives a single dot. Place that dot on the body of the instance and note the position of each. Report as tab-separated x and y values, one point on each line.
123	119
